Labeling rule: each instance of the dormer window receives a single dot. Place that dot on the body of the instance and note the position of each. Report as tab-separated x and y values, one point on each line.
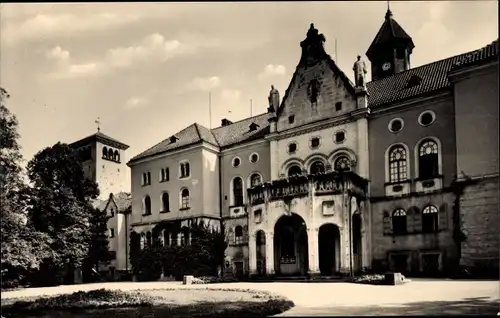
291	119
253	126
173	139
413	81
338	106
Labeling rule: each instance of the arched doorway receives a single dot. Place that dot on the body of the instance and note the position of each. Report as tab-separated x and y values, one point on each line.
290	246
329	249
260	241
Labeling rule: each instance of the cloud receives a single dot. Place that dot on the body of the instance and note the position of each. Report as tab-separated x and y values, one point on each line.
57	53
204	84
153	48
230	95
135	102
272	70
44	26
72	71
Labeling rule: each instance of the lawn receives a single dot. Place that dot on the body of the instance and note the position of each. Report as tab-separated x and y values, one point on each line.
199	302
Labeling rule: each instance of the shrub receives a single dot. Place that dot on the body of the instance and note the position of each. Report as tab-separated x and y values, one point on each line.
213	280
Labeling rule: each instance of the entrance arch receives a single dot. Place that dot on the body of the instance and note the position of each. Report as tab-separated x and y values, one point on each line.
290	246
329	249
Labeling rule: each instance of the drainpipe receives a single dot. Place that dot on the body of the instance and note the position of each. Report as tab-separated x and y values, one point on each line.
126	241
220	213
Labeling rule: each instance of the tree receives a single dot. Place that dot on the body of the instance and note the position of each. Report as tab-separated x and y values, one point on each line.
60	206
22	248
99	243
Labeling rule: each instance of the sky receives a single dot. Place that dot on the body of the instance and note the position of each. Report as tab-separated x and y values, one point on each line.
146	69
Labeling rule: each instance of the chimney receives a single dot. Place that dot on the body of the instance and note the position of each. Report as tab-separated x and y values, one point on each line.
225	122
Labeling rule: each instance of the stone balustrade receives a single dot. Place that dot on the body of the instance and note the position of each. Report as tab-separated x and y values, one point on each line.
304	185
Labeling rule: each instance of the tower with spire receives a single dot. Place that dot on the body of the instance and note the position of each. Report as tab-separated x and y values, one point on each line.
390	51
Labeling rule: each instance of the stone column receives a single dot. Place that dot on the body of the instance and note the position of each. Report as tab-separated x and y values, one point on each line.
312	240
364	246
362	153
274	151
252	254
270	254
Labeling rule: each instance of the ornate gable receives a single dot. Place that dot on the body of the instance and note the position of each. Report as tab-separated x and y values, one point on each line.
318	89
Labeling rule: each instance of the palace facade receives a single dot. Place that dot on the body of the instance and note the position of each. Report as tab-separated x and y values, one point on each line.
397	173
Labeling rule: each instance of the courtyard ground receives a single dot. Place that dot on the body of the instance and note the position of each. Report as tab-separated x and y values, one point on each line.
418	297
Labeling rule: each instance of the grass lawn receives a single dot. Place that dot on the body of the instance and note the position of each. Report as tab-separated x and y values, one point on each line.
179	302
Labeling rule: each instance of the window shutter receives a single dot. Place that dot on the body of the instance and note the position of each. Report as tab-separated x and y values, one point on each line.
387	222
417	220
443	219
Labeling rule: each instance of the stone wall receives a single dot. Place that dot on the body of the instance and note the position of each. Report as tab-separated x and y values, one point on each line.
480	220
415	243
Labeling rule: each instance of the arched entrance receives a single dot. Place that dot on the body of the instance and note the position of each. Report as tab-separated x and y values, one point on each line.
260	241
290	246
329	249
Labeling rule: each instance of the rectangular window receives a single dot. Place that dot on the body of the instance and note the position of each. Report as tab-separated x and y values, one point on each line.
258	216
111	232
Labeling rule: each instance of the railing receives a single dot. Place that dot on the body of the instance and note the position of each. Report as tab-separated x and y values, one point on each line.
303	185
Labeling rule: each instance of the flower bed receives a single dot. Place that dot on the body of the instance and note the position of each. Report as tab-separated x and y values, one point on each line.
177	302
372	279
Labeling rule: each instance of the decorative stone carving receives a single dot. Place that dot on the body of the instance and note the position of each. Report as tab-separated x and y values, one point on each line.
274	99
312	47
313	90
360	71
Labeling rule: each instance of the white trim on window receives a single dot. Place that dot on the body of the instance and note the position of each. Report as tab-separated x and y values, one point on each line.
417	154
427	112
389	126
408	161
249	179
231	192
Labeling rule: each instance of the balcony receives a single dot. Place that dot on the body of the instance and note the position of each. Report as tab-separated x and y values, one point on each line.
312	184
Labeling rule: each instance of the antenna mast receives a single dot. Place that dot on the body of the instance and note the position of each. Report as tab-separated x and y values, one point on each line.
251	108
336	56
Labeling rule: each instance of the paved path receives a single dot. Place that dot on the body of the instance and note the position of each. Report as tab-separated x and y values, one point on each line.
419	297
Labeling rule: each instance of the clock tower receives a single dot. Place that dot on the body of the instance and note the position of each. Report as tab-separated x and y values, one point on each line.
390	51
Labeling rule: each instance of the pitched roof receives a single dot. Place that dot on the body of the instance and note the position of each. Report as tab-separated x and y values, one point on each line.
388	32
433	77
99	204
99	136
484	54
188	136
240	131
401	86
123	200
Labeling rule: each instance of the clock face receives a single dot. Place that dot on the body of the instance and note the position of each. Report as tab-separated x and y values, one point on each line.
386	66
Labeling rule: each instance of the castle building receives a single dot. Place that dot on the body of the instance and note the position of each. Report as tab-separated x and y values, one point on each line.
399	173
103	161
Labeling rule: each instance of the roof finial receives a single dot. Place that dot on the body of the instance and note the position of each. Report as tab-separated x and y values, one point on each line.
388	14
98	122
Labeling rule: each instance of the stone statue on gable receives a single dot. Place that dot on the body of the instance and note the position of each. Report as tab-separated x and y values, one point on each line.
274	99
359	72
